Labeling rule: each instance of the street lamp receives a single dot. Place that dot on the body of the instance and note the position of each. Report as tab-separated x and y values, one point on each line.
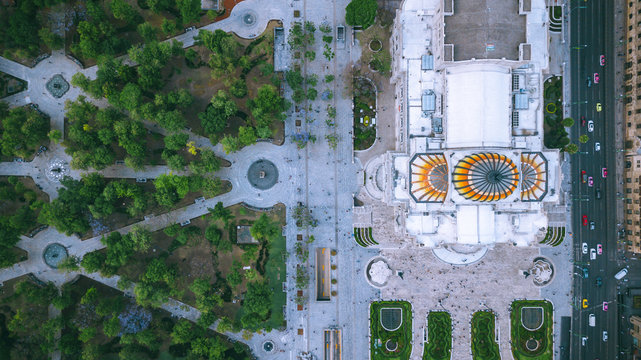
579	47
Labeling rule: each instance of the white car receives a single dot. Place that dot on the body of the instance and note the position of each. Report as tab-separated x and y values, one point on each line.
584	340
590	126
605	336
584	248
597	146
592	254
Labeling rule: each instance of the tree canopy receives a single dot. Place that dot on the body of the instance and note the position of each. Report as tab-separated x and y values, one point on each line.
361	13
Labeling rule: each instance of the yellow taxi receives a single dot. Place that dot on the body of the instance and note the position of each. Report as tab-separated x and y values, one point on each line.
599	107
584	304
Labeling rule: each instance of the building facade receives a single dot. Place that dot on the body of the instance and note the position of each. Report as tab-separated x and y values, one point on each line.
632	116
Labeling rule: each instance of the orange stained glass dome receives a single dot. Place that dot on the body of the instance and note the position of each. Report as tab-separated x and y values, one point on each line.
534	176
429	179
485	177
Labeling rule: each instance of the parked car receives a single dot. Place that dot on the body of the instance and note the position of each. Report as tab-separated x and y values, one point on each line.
590	126
584	177
599	249
602	60
592	225
584	340
584	219
604	172
590	181
596	78
605	306
599	107
597	146
592	320
584	248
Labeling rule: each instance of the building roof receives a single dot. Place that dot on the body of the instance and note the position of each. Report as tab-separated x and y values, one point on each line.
475	224
478	106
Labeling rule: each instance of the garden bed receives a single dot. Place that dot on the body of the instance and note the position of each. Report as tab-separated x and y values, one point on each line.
364	93
390	345
532	344
484	346
10	85
439	340
555	136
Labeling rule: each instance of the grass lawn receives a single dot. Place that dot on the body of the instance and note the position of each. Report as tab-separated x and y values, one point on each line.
439	338
10	85
542	336
380	338
484	346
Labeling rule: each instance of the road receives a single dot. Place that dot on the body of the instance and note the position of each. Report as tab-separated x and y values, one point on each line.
592	35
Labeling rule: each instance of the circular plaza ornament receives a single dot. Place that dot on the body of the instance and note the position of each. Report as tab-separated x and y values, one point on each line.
378	272
57	86
485	177
262	174
54	254
249	18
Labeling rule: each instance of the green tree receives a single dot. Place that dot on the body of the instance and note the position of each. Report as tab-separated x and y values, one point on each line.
238	88
131	96
53	41
111	327
312	94
176	141
571	148
246	135
256	305
230	144
92	262
361	13
213	235
583	139
568	122
168	26
189	10
121	10
265	229
23	129
170	189
234	277
207	164
183	332
147	31
220	212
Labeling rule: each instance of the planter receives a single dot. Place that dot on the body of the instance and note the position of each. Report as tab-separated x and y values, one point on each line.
375	45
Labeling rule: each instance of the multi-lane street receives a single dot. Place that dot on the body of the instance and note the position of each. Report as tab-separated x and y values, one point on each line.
594	196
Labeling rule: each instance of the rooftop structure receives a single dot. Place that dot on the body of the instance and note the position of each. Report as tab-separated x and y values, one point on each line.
469	168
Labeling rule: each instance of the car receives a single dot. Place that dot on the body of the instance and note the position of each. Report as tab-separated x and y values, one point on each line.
605	306
592	320
592	254
584	177
590	126
582	120
590	181
584	340
596	78
599	107
592	225
605	336
599	249
588	81
586	273
584	248
602	60
599	282
598	193
584	303
621	274
584	219
597	146
604	172
190	28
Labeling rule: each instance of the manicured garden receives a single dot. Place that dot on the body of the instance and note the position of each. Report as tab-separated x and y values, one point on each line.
534	343
439	337
364	113
555	136
393	344
484	346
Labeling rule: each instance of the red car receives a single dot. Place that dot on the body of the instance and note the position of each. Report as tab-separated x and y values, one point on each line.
604	172
596	78
582	120
602	60
585	220
584	176
599	249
